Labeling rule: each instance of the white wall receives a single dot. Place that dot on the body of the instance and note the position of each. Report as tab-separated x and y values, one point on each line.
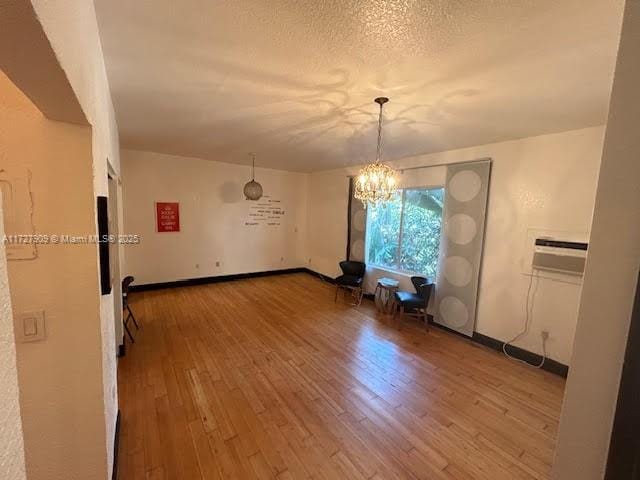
60	377
72	29
610	280
544	183
213	212
11	442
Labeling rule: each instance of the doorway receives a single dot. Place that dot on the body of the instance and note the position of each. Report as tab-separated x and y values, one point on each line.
114	258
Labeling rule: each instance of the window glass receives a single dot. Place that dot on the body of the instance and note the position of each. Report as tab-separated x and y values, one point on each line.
404	233
421	225
383	225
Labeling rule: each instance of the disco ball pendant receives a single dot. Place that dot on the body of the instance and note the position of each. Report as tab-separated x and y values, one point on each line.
253	190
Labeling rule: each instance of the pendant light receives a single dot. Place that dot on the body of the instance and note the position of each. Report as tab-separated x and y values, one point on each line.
252	189
376	182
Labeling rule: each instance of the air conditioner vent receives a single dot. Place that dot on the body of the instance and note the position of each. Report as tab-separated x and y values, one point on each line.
559	256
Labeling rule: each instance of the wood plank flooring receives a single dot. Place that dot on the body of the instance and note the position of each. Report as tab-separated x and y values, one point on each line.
269	378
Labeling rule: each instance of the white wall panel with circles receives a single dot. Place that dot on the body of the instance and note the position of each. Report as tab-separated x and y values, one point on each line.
466	193
357	227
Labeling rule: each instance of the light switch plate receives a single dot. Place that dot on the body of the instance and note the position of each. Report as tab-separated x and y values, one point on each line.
31	327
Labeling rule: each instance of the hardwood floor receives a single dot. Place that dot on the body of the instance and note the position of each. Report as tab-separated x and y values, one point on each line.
268	378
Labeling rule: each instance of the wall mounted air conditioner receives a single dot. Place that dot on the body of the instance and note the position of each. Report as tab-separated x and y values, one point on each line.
559	256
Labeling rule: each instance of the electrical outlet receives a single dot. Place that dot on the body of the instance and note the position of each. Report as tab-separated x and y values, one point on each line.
544	334
217	264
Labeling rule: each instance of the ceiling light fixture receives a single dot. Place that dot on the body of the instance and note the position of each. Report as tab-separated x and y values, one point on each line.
376	182
252	189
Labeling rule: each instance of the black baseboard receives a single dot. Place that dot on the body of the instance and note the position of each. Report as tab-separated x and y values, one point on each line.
531	358
517	352
205	280
116	444
549	365
368	296
322	276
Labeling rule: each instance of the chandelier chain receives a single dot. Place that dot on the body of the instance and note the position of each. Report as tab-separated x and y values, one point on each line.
253	166
379	151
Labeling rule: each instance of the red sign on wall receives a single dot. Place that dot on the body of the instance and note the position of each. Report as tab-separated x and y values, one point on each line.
168	216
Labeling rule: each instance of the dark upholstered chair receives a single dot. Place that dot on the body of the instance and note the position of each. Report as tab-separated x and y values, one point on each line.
126	283
351	279
414	304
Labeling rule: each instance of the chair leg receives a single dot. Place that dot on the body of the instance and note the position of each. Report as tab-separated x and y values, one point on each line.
133	317
126	327
400	320
360	295
377	297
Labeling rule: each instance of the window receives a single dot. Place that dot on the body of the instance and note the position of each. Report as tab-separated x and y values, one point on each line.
404	233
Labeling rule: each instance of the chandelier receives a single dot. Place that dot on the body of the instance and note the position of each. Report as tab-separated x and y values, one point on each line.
253	190
376	182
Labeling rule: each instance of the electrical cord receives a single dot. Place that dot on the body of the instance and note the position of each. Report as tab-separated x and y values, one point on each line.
525	330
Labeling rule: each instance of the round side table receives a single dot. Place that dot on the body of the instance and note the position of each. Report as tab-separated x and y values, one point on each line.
385	294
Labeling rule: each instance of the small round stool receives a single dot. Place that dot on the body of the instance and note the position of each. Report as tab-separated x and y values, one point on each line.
385	294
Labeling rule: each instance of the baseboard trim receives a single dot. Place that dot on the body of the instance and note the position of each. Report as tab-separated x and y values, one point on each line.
216	279
368	296
533	358
116	445
322	276
549	365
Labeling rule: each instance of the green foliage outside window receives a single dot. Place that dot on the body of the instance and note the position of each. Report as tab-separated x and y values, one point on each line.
404	233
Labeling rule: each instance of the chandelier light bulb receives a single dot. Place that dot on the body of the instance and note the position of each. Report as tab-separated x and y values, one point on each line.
376	181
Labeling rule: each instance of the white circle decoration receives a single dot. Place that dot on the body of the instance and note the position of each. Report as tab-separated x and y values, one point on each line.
454	312
460	228
359	219
458	271
357	249
465	185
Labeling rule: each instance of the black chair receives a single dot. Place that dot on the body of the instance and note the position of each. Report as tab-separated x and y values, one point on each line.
414	304
126	283
351	279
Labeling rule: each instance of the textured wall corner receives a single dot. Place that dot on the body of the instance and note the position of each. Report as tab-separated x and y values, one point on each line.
11	444
67	24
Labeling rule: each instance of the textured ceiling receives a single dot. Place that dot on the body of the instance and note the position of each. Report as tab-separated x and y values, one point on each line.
294	81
